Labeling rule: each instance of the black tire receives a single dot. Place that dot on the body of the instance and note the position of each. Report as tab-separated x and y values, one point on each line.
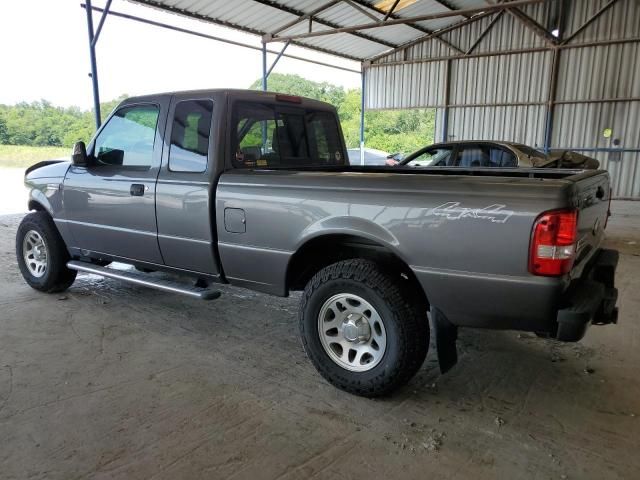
404	318
57	277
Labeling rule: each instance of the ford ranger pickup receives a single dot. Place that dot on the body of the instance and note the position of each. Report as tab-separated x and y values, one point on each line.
254	189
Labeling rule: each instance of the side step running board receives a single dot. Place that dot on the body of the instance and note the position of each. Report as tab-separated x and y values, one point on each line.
144	280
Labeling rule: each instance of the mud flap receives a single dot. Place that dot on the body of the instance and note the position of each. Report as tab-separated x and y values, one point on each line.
446	334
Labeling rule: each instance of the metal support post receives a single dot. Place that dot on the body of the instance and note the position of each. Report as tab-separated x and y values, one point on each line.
363	77
447	102
94	66
264	89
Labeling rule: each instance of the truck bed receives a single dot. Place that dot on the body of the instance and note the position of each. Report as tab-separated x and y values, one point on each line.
465	233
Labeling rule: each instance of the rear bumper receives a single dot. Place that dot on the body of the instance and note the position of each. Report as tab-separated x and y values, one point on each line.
589	299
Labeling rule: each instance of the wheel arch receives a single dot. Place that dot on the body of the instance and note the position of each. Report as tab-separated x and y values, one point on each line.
39	202
37	206
325	249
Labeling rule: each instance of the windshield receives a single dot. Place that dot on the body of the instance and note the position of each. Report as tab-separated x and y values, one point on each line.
530	152
434	157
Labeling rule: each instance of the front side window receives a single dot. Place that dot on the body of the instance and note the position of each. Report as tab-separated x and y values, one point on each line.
434	157
127	139
269	138
190	136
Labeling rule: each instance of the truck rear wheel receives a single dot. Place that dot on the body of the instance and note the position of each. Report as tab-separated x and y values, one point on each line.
362	328
42	255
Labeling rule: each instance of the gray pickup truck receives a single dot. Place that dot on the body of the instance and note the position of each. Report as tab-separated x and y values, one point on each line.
255	190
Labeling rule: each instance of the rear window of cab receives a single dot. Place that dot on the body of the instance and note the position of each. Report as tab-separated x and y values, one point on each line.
267	136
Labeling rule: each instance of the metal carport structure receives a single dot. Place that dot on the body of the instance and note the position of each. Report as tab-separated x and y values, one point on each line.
555	74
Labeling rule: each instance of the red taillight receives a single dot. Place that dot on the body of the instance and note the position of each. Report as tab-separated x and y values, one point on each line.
553	244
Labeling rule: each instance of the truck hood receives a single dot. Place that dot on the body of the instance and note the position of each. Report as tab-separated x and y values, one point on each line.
48	169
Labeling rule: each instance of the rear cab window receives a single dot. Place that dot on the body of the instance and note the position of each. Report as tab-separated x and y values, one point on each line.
270	136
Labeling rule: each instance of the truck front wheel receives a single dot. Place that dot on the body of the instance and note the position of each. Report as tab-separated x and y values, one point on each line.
42	255
362	328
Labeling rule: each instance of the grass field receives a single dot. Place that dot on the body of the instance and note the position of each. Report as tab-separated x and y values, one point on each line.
24	156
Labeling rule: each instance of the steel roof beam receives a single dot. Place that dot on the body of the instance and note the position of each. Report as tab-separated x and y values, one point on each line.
604	8
103	17
530	23
402	21
307	16
484	33
360	4
364	11
326	23
215	21
390	14
278	57
435	35
549	48
447	5
533	25
390	11
230	42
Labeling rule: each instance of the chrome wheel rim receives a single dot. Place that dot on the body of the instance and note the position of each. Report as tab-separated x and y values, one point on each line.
352	332
34	252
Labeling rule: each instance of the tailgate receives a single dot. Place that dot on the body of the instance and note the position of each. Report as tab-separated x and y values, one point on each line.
592	196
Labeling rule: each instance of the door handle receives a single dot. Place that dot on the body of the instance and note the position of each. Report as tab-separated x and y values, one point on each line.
137	190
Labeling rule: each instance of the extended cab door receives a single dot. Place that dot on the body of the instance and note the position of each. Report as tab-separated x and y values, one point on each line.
109	205
185	209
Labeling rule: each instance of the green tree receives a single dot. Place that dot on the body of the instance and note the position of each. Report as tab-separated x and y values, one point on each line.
3	127
41	123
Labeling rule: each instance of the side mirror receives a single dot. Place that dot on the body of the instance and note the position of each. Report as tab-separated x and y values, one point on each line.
79	155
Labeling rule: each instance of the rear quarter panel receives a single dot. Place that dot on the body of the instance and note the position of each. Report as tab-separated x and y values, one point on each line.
466	238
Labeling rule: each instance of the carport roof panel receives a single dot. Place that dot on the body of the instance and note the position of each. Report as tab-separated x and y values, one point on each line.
261	17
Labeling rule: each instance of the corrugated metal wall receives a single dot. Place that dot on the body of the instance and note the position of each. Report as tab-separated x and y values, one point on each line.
505	96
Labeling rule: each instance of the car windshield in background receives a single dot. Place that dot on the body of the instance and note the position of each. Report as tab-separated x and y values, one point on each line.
530	152
438	157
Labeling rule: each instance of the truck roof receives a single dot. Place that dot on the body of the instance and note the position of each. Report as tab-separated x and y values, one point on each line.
241	94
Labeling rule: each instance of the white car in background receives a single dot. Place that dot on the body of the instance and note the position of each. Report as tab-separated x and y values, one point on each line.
373	156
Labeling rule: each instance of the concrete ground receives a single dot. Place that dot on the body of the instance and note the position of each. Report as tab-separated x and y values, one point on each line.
113	381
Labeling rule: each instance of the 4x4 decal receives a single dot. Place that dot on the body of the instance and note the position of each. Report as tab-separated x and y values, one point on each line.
453	211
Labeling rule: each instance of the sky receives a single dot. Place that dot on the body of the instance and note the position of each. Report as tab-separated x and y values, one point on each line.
44	54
